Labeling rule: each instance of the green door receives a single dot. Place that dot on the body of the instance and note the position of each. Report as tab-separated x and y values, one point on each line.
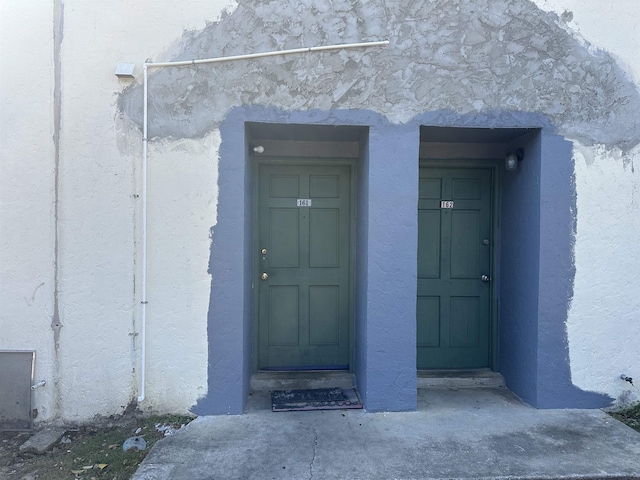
304	261
454	275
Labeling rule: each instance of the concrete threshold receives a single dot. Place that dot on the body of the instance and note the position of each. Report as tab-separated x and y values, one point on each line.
311	379
427	379
483	378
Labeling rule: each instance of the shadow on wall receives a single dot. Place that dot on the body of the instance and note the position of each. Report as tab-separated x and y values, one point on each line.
538	208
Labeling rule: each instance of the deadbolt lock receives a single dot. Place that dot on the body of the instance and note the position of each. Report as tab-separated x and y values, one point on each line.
263	251
264	276
485	278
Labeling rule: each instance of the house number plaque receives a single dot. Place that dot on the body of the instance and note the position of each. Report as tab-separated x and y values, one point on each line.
304	202
446	204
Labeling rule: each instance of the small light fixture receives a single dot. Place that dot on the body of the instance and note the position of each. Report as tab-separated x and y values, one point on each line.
125	70
513	159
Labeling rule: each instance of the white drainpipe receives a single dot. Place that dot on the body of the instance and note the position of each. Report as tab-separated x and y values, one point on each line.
145	141
143	332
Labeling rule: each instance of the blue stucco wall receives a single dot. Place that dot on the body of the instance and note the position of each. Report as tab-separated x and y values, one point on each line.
248	270
556	275
519	265
386	239
230	266
362	266
535	269
392	268
537	223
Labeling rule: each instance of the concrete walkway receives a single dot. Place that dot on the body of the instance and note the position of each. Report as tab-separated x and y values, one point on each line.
473	433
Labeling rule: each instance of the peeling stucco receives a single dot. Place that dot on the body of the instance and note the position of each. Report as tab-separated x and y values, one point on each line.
459	55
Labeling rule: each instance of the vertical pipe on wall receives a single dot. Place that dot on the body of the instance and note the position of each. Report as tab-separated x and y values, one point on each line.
143	327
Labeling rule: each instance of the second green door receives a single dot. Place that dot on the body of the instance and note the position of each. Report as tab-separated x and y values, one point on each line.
454	268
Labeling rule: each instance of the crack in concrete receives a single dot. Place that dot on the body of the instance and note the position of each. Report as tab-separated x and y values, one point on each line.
315	447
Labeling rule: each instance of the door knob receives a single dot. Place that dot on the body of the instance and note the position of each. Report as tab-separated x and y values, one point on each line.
485	278
264	276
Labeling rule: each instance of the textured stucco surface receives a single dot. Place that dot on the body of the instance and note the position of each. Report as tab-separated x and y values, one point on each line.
182	206
615	30
69	215
27	227
390	327
67	153
229	263
511	56
604	320
519	266
100	224
462	55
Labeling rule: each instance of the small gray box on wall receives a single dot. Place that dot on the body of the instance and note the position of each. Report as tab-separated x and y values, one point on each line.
16	378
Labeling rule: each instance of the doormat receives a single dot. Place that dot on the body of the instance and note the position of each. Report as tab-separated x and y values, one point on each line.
318	399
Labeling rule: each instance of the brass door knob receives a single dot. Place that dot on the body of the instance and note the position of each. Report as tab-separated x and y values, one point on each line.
264	276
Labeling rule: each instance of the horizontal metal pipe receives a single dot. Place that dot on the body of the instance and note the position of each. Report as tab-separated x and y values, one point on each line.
249	56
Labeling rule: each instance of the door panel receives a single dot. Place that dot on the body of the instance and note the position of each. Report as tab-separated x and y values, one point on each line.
283	315
429	241
324	315
465	231
464	322
284	186
327	186
285	247
454	251
324	241
304	304
429	324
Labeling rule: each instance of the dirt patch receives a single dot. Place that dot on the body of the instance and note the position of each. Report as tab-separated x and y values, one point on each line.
630	416
87	452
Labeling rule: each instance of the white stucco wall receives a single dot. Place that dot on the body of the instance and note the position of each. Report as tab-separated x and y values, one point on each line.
101	239
182	193
604	320
27	229
96	366
610	25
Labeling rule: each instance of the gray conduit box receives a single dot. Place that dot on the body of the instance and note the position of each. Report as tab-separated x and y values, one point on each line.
16	378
